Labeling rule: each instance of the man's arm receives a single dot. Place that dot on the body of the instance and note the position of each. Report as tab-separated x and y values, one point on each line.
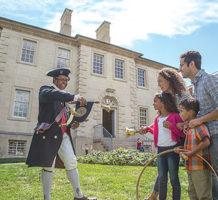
206	118
49	94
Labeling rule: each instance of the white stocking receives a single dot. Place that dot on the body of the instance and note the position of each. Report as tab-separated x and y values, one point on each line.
46	178
73	177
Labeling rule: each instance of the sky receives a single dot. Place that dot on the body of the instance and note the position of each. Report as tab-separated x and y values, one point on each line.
159	29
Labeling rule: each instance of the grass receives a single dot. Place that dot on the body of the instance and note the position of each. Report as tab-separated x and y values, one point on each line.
106	182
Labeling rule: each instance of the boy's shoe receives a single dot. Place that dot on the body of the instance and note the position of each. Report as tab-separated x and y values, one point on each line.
85	198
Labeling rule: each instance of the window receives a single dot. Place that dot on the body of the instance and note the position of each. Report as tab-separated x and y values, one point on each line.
28	51
98	64
63	58
21	103
17	147
1	31
119	68
143	116
141	77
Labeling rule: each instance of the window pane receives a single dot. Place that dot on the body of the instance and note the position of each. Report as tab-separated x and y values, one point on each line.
27	50
63	58
21	103
141	77
119	67
98	64
17	147
143	116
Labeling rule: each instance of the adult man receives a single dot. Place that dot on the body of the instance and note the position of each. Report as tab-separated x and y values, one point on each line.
54	147
206	92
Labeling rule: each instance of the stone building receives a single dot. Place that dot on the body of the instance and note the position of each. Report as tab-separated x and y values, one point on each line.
101	71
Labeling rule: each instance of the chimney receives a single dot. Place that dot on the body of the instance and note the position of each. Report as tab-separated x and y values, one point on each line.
103	32
66	22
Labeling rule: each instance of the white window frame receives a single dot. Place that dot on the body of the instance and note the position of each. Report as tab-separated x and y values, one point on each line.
146	118
12	104
63	58
93	61
35	56
117	67
17	147
21	104
145	78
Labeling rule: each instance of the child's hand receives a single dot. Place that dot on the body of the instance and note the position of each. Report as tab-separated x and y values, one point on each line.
143	130
185	127
188	153
180	126
166	124
179	147
182	155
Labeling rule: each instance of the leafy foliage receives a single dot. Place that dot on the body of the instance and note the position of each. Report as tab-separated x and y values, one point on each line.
120	156
12	160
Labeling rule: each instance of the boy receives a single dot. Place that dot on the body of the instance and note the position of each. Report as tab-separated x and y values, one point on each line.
196	142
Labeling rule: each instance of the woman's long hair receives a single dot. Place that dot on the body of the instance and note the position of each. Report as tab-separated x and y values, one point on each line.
176	83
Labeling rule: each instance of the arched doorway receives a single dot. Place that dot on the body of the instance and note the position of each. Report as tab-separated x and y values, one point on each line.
108	118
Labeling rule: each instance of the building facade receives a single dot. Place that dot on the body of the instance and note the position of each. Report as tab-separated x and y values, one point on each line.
100	71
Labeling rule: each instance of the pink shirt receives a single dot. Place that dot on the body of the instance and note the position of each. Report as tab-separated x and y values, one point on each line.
173	118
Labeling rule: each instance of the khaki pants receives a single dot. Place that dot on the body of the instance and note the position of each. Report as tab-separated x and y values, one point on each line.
200	184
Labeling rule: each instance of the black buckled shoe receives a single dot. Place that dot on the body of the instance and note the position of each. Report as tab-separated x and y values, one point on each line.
85	198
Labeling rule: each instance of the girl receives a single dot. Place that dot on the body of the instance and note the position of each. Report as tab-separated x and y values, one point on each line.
166	136
171	82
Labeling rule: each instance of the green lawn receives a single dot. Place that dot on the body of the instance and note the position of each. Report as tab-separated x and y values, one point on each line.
106	182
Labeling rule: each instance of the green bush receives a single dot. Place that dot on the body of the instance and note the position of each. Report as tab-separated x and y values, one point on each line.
120	156
12	160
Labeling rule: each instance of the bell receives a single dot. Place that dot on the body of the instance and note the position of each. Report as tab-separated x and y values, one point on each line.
106	107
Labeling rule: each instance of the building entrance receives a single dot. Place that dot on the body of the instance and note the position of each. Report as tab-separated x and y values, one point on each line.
108	123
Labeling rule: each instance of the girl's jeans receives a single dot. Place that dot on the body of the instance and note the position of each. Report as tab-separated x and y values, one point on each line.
168	162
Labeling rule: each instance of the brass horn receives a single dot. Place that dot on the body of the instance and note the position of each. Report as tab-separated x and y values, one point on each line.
130	132
106	107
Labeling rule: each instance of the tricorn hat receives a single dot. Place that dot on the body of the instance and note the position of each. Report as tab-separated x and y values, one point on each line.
57	72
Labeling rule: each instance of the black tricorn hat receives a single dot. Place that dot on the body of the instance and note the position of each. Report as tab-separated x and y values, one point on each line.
57	72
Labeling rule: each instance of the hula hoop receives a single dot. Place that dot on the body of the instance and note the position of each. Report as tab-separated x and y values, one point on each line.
171	150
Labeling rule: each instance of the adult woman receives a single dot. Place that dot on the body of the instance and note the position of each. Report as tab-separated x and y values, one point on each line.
171	82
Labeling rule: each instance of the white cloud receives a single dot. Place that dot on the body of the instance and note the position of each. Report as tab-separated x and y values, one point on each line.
130	20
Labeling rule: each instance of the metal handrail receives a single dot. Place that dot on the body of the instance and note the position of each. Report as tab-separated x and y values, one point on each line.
100	132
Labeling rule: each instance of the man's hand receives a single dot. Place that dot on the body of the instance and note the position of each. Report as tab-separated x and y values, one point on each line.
82	101
166	124
75	125
195	122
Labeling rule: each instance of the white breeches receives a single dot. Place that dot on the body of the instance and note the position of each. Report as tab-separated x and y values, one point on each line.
66	154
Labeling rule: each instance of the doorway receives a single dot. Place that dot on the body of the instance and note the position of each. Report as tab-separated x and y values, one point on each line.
108	123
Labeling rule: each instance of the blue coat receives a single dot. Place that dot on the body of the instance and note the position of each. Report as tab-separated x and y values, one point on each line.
44	146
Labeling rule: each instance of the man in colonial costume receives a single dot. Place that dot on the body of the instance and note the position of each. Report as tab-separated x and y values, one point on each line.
53	147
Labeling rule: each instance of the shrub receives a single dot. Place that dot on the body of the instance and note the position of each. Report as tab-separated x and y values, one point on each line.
12	160
120	156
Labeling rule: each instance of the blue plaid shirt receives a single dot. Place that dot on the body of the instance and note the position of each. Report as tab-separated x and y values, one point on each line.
206	92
